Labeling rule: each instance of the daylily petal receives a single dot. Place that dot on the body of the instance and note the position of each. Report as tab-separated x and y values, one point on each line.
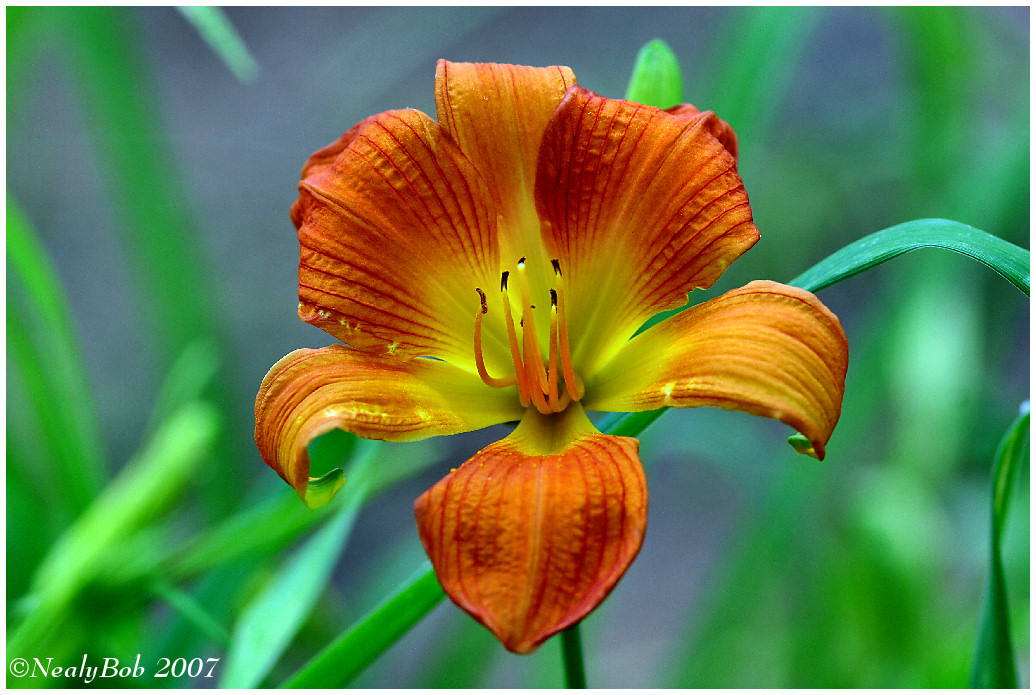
766	349
530	535
396	229
719	128
497	114
642	207
310	392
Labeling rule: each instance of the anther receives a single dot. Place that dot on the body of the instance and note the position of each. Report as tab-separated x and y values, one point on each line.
572	384
480	363
482	298
552	355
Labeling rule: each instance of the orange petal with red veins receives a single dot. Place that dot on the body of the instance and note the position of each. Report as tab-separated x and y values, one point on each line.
396	230
766	349
719	128
529	538
643	206
310	392
497	114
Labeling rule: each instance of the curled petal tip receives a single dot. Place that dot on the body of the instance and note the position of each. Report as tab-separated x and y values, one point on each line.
320	491
802	445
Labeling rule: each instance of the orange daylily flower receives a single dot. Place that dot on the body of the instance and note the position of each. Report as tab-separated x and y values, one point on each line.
521	241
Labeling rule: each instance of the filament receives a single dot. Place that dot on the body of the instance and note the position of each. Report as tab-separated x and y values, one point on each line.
480	362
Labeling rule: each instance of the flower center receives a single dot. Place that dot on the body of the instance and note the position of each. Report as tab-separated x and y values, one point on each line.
539	384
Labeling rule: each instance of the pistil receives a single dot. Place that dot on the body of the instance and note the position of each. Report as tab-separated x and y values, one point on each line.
512	339
531	344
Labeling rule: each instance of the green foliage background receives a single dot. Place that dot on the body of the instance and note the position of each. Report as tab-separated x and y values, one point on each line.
151	283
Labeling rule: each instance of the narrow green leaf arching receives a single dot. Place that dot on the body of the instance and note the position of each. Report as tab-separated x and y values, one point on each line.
656	79
993	665
1010	261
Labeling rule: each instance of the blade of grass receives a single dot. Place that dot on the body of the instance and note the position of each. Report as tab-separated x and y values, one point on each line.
217	31
50	356
235	538
129	140
267	625
192	612
1005	258
365	641
149	201
143	489
994	665
939	60
756	52
36	423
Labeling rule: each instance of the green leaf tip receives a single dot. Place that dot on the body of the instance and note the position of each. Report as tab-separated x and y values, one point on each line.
656	78
322	490
217	31
801	444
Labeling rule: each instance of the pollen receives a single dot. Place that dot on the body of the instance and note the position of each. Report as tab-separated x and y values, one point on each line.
549	386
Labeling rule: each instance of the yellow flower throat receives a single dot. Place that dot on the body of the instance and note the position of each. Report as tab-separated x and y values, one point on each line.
538	384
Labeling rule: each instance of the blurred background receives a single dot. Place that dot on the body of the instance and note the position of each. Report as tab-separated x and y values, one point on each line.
152	283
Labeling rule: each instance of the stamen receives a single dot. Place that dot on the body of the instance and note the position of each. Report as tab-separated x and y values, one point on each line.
512	339
533	359
552	357
480	363
573	385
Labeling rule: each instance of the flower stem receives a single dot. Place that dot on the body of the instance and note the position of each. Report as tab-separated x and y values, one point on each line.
572	653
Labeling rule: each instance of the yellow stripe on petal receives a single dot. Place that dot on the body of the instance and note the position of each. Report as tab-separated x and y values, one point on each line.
766	349
310	392
497	114
530	542
641	206
396	230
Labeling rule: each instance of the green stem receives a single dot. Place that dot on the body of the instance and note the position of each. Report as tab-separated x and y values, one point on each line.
572	653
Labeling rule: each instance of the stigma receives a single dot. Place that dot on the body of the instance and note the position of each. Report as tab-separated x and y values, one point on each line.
549	386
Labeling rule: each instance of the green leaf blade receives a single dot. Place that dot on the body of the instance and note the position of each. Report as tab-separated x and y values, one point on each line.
268	624
366	640
50	356
215	28
994	664
1008	260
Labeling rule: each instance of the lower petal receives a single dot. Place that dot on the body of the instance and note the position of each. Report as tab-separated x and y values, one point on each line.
534	531
765	348
310	392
